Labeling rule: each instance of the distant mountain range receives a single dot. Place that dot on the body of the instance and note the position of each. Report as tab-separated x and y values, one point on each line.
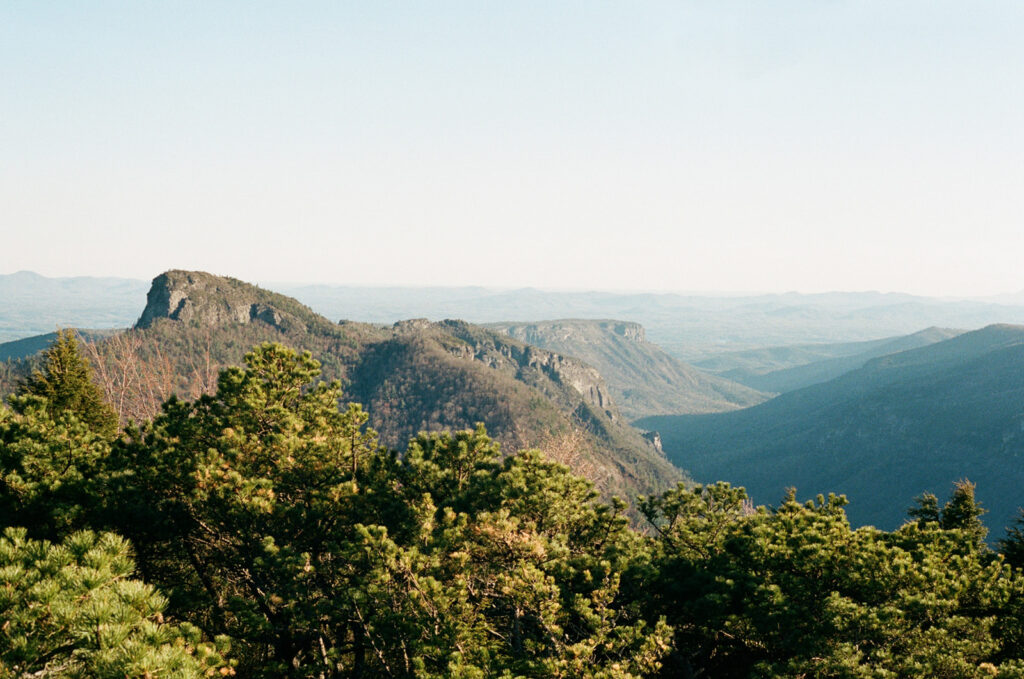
879	419
31	304
690	327
902	424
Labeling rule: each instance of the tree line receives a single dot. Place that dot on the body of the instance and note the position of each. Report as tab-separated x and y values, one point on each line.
261	531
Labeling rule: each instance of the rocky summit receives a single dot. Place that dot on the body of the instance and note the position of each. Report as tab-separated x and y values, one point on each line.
414	376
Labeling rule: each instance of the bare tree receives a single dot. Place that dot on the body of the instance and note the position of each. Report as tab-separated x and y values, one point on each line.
137	376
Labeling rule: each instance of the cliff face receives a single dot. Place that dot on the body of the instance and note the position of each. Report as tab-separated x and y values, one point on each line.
416	376
642	377
513	356
202	299
573	331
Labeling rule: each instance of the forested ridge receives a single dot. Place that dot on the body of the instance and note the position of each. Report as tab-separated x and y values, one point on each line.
902	424
643	378
412	376
262	531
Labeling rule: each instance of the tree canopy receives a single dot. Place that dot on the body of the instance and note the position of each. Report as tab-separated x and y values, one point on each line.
73	610
65	383
262	530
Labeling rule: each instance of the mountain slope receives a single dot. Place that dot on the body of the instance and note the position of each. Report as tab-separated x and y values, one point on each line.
800	366
29	346
643	379
905	423
413	376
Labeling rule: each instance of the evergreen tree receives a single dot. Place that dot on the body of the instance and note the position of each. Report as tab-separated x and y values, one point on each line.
925	509
796	592
54	471
246	502
1012	546
523	580
962	512
72	610
275	518
65	381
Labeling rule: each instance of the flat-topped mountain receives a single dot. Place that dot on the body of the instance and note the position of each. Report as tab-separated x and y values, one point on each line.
202	299
902	424
412	376
643	379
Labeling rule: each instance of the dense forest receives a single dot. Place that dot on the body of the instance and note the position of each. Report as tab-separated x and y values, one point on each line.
261	530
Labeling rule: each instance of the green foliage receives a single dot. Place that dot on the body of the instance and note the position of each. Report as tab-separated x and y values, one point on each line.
73	610
65	381
53	469
1012	546
513	566
796	592
246	500
925	509
273	520
963	512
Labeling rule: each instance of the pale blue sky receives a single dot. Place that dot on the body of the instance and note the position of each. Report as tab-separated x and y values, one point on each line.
758	146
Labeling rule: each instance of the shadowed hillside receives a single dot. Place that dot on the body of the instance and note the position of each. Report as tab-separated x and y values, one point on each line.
906	423
28	346
786	368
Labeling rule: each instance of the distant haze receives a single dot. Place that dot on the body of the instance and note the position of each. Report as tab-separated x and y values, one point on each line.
805	146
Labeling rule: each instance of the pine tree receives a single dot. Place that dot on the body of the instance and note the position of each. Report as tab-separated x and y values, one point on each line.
962	512
1012	546
73	610
54	473
796	592
925	509
65	381
248	501
277	520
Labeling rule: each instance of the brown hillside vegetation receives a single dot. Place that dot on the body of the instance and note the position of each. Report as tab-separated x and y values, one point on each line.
412	377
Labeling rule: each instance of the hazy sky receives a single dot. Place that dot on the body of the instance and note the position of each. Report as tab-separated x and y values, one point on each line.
709	145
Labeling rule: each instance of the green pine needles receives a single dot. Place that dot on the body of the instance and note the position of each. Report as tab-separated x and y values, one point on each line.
73	610
262	531
65	382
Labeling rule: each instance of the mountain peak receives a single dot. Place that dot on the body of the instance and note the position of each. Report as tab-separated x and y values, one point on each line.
203	299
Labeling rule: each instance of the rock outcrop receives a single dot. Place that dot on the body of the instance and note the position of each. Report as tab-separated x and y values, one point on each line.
573	331
654	438
414	376
496	351
202	299
643	378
